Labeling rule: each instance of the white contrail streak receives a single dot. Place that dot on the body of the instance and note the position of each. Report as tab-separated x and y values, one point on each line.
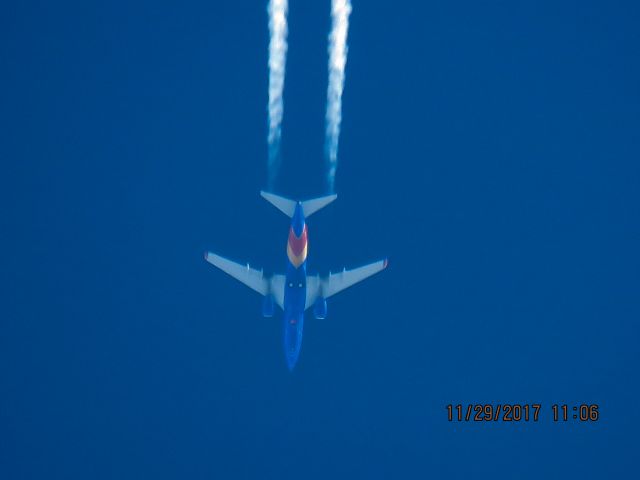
277	61
340	11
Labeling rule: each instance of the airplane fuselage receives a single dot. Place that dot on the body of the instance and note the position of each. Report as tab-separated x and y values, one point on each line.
295	289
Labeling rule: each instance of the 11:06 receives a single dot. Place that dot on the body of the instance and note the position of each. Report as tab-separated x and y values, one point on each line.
584	413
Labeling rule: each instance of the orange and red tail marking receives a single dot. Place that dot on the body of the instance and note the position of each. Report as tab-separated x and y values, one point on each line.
297	247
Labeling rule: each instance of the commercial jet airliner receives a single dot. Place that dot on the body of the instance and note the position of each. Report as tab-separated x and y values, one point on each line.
295	291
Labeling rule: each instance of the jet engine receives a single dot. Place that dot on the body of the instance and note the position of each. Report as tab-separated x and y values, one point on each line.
267	306
320	308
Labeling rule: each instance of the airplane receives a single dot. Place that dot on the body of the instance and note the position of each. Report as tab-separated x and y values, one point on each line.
295	291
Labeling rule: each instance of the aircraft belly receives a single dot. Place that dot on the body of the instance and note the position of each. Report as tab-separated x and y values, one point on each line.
292	340
295	293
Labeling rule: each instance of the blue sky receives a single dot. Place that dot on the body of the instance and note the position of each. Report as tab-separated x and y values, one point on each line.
489	150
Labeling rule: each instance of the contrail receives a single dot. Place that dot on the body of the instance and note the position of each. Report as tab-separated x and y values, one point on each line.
277	60
340	11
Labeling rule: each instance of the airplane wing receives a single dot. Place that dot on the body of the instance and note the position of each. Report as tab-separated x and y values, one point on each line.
277	289
313	290
252	278
336	282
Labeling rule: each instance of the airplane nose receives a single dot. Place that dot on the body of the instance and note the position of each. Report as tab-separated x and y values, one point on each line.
292	339
291	363
292	359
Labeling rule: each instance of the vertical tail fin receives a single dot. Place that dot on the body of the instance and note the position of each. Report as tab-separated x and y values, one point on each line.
288	207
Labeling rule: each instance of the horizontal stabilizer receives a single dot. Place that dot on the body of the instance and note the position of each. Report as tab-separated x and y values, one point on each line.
288	207
311	206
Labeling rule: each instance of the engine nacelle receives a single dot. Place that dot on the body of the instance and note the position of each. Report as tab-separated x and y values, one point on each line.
320	308
267	306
